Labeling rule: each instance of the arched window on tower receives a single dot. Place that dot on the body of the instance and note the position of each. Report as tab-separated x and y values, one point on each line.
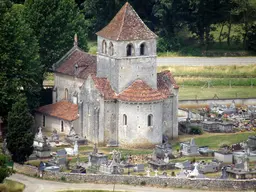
111	49
124	119
130	50
143	49
104	47
150	120
66	94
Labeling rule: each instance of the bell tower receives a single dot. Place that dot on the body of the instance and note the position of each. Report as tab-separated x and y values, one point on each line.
126	51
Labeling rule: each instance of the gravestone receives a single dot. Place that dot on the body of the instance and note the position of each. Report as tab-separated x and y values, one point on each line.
224	174
96	158
189	148
42	148
72	137
148	173
139	168
76	148
55	137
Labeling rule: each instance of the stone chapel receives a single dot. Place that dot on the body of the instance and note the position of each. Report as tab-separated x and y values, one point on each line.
115	98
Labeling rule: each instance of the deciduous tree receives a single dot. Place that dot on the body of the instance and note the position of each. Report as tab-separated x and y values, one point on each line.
20	70
55	23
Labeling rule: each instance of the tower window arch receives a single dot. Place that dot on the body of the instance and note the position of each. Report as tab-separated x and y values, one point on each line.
66	94
104	47
150	120
142	49
111	49
129	50
124	119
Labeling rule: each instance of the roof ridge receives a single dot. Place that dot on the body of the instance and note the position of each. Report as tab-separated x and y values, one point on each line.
122	20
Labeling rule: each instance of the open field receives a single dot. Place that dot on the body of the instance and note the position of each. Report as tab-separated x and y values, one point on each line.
193	92
203	81
235	71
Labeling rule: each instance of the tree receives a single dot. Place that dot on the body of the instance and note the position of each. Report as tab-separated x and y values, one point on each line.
246	15
4	170
20	135
20	71
252	38
55	22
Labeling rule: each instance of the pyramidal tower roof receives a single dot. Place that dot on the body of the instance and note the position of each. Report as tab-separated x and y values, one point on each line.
125	26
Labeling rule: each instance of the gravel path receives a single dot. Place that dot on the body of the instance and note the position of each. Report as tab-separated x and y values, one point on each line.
39	185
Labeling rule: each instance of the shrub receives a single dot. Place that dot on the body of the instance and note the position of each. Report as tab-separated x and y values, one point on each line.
195	130
63	178
143	183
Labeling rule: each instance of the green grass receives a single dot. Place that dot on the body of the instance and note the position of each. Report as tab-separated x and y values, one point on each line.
194	92
235	71
11	186
202	81
215	140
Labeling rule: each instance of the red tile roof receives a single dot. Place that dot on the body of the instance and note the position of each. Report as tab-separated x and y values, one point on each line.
62	110
86	64
126	25
164	79
104	87
139	91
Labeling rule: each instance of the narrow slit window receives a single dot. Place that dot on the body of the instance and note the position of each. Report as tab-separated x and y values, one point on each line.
124	119
62	126
150	120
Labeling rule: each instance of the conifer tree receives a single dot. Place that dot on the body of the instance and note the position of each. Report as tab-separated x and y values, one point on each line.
20	135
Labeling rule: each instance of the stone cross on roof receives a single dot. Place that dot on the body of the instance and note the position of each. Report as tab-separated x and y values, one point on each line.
75	40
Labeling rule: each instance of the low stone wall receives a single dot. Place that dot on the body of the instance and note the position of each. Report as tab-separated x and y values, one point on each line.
172	182
200	102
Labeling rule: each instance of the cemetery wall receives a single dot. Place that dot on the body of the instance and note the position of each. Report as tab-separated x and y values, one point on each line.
172	182
238	101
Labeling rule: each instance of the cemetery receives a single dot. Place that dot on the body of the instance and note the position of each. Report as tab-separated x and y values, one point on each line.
187	161
56	155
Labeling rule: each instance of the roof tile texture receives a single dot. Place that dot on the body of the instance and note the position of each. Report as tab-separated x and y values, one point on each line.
63	110
126	26
79	64
139	91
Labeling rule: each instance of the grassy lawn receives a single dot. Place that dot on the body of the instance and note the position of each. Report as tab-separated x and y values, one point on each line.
235	71
215	140
11	186
203	81
193	92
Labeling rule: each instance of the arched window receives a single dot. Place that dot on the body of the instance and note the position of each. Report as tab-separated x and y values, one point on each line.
130	50
142	49
66	93
150	120
104	47
124	119
111	49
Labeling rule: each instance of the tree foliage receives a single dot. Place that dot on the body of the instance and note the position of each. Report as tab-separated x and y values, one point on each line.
55	23
20	135
4	170
19	59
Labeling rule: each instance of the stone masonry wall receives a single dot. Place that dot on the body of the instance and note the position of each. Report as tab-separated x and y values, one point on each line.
172	182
